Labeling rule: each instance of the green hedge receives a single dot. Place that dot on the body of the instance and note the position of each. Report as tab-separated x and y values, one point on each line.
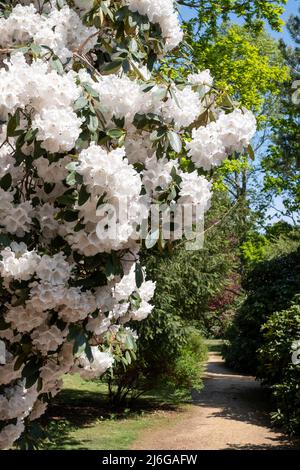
270	287
276	367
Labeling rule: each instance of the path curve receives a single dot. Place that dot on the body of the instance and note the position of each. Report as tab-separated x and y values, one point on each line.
230	413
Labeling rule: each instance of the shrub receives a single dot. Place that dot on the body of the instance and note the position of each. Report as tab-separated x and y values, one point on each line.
201	286
189	363
277	370
175	367
270	286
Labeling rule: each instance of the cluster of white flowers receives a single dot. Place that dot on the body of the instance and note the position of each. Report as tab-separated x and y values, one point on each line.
15	218
17	262
91	370
182	108
138	147
61	30
201	78
49	95
82	156
195	190
120	97
157	175
231	133
17	401
163	13
109	176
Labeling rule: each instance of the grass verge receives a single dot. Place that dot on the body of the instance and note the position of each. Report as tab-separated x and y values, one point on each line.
80	418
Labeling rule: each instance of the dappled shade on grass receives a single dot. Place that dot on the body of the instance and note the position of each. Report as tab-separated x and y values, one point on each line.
81	417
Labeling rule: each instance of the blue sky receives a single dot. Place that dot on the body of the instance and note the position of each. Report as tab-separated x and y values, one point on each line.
292	8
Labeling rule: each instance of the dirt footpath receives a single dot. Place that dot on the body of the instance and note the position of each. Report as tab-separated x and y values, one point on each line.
230	413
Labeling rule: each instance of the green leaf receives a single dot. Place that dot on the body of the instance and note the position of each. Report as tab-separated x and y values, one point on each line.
83	195
71	178
57	65
251	152
60	3
5	182
68	198
48	187
135	300
71	166
30	372
74	178
129	343
20	361
152	238
93	123
139	275
70	216
79	344
112	67
12	124
4	240
36	49
128	357
90	90
175	141
113	267
115	133
30	135
32	379
172	195
101	200
80	103
157	134
88	352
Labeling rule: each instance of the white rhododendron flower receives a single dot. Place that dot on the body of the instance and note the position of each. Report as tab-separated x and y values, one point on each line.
61	30
231	133
203	79
17	262
161	12
120	97
102	361
58	129
183	108
195	189
24	319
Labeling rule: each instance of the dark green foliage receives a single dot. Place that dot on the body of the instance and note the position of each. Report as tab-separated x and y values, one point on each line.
276	367
175	363
282	162
271	286
200	286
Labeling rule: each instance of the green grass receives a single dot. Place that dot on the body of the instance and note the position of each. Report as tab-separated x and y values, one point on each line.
81	419
99	435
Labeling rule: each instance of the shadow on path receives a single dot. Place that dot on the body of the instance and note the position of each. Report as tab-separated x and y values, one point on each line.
231	412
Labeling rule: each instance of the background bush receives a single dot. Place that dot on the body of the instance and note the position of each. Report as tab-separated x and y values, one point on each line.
276	368
270	287
175	368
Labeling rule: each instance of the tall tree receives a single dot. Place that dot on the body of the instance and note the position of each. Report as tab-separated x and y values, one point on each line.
282	162
207	15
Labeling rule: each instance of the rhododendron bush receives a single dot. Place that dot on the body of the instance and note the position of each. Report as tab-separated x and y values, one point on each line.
86	120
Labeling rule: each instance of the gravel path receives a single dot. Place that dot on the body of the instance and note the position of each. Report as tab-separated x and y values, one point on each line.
230	413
